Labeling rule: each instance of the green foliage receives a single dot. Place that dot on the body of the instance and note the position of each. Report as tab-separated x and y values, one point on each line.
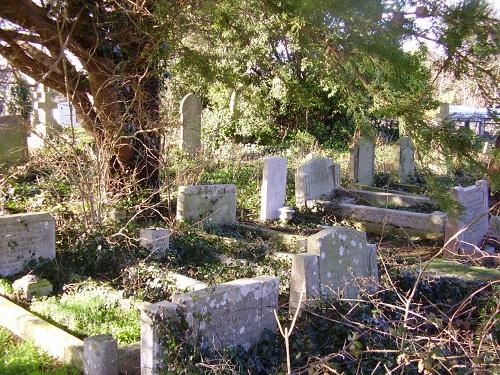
6	287
23	358
91	309
20	101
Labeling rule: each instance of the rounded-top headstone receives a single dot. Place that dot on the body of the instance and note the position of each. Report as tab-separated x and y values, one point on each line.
191	109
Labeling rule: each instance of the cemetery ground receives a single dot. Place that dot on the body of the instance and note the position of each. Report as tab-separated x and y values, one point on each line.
102	276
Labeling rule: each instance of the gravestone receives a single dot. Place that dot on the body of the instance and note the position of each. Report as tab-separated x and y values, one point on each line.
466	232
273	192
191	108
45	105
156	240
208	205
233	313
362	163
25	237
100	355
405	159
304	279
347	263
13	140
317	178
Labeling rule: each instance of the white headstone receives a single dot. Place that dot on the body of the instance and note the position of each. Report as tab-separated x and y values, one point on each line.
362	164
467	231
191	109
405	156
316	179
273	192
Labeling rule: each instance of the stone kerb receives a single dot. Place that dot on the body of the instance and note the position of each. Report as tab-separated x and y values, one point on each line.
208	205
466	232
191	108
273	191
25	237
362	161
317	178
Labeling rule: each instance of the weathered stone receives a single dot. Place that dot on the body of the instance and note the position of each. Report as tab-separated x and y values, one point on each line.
465	233
233	313
385	198
13	140
25	237
495	227
304	278
44	107
32	286
100	355
345	261
273	192
154	319
405	159
316	179
208	205
184	283
191	109
362	164
155	240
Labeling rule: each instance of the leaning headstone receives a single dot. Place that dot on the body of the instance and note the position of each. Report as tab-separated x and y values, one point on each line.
467	231
100	355
208	205
233	314
23	238
317	178
362	163
13	140
30	286
156	240
347	263
405	159
273	192
191	109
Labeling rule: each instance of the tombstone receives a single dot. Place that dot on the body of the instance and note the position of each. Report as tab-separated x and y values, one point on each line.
362	164
156	240
13	140
317	178
207	205
466	232
23	238
45	105
100	355
273	192
346	262
405	159
304	280
232	314
191	108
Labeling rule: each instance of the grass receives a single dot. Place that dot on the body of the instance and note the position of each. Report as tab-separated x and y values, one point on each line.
23	358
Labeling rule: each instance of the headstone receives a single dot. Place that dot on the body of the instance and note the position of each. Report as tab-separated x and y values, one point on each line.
100	355
405	160
25	237
233	313
346	262
362	163
191	109
208	205
317	178
45	105
304	278
467	231
273	192
13	140
32	286
156	240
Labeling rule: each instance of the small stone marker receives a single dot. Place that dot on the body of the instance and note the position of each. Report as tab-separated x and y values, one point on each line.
32	286
317	178
405	159
191	109
474	219
273	192
13	140
156	240
100	355
362	165
25	237
233	313
208	205
346	262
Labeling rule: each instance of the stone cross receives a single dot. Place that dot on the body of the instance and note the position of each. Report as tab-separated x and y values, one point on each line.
273	192
191	108
45	104
362	165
